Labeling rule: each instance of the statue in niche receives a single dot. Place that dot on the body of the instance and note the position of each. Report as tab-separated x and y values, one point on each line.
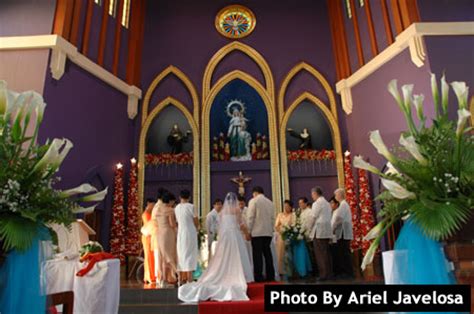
241	180
304	137
177	138
237	134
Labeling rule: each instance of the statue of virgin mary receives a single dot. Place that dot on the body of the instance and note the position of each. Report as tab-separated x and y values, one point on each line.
239	138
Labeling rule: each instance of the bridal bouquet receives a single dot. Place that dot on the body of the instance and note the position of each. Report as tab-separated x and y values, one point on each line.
90	247
293	232
430	176
28	199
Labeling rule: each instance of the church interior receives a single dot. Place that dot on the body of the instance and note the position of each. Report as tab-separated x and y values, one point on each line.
219	96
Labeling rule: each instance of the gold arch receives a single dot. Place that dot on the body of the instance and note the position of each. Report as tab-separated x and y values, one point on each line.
303	66
336	138
186	81
168	101
249	51
273	136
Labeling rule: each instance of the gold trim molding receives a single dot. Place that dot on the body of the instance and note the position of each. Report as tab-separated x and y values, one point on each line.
247	50
168	101
273	136
303	66
184	79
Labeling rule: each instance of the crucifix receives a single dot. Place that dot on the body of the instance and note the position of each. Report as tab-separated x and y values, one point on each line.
241	180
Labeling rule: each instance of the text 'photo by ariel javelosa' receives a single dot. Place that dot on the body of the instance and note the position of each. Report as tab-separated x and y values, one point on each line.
367	298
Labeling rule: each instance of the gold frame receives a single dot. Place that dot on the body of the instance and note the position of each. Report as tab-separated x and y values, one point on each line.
303	66
235	7
267	94
193	121
330	114
250	52
184	79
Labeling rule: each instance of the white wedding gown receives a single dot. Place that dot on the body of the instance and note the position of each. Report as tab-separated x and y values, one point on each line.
229	269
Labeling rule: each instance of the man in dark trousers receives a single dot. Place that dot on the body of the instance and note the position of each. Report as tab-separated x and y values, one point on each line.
261	220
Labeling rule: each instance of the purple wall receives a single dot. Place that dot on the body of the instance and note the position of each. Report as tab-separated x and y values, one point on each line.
446	10
182	33
375	109
93	116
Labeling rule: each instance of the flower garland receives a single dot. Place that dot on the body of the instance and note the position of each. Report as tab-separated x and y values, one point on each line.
169	159
304	154
133	235
351	199
367	220
117	230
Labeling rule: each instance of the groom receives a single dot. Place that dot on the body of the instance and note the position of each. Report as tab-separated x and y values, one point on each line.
261	219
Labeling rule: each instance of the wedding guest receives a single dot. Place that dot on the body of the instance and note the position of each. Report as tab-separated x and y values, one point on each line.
342	228
261	219
284	219
154	234
149	263
321	233
304	208
332	244
212	223
187	244
167	240
243	208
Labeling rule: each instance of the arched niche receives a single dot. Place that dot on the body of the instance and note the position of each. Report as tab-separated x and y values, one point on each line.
169	104
274	164
308	98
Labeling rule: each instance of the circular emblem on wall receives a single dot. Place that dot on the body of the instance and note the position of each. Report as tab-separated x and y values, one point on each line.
235	21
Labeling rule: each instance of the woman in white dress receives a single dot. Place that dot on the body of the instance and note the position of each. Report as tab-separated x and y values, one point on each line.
187	244
229	270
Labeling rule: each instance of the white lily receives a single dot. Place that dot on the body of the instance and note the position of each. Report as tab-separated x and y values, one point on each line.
407	91
96	197
360	163
378	143
369	256
393	89
434	91
84	210
373	233
463	115
411	146
391	169
444	94
462	92
83	188
62	155
50	156
397	190
418	102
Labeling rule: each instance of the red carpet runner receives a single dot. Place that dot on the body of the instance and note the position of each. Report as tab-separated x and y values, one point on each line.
255	291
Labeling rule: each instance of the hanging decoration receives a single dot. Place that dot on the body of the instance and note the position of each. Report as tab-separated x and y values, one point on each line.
133	236
351	198
117	229
367	214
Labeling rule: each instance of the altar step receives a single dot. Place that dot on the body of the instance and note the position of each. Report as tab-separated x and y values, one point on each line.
148	301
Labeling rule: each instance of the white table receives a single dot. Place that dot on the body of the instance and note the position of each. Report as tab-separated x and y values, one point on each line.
97	292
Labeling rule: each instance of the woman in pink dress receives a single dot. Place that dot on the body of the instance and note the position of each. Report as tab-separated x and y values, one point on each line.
167	240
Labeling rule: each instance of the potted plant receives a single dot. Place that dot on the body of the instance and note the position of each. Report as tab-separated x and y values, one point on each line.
29	201
430	178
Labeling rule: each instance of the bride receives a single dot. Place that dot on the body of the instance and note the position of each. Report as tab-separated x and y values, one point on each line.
229	270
